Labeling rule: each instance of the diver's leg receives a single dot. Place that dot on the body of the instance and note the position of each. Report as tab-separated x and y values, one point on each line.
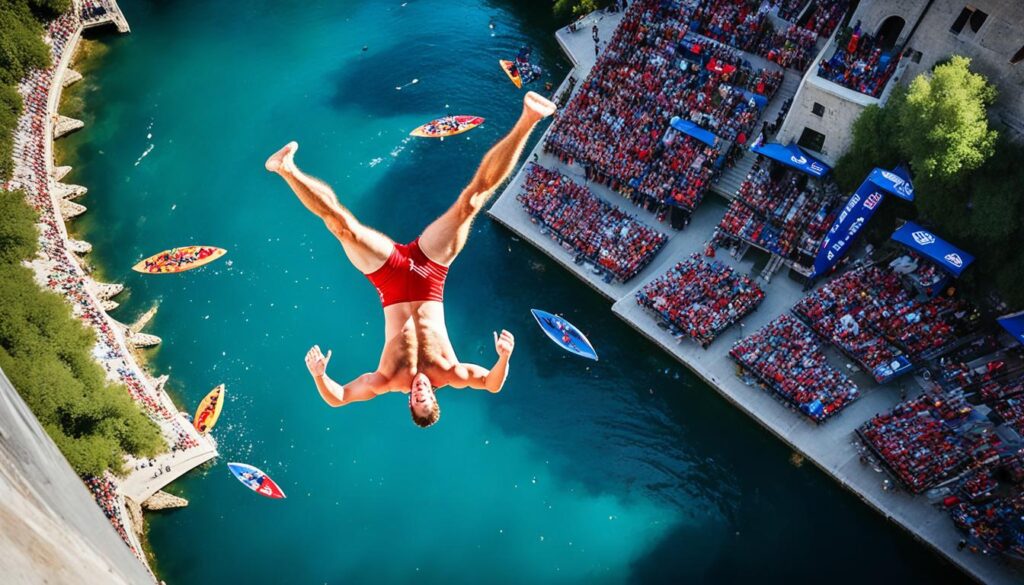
365	247
444	238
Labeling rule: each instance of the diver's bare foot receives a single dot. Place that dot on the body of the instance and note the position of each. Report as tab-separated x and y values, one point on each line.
282	159
538	105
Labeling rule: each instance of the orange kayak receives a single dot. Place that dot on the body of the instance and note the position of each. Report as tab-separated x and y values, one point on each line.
179	259
512	71
447	126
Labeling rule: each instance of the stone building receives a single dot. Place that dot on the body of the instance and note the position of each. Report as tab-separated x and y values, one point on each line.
924	32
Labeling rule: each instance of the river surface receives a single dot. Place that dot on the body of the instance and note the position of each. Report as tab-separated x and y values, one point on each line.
625	470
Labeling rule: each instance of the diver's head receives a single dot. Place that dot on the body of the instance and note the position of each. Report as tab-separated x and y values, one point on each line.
423	402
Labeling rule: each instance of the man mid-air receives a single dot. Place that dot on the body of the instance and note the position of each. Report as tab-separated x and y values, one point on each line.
417	355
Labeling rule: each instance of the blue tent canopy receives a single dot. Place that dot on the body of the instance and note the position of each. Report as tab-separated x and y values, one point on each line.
793	156
760	100
945	255
1014	324
895	182
691	129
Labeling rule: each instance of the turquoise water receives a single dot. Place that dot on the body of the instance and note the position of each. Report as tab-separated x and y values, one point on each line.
625	470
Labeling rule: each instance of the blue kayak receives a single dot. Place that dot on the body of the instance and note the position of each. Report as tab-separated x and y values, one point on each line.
565	334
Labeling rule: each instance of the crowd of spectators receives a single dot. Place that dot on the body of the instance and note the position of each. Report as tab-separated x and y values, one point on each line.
873	318
995	526
593	230
916	444
1011	411
104	491
700	299
859	63
989	382
786	359
745	24
58	269
93	10
822	18
616	126
780	210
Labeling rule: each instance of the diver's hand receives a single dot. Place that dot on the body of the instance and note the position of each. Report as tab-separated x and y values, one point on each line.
317	361
504	343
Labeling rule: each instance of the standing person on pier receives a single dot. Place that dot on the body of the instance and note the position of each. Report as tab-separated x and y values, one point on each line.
417	357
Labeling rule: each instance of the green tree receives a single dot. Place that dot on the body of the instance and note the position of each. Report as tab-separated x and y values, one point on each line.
17	230
872	145
566	10
943	122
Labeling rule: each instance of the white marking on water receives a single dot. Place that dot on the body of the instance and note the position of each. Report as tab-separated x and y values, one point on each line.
145	153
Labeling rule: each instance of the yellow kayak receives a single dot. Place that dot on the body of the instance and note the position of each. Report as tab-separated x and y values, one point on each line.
209	410
179	259
512	71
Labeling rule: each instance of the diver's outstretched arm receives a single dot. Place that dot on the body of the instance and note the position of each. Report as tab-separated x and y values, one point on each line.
479	377
361	389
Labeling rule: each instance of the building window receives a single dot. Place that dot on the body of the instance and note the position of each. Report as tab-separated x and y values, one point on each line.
971	15
818	109
812	140
1017	57
977	19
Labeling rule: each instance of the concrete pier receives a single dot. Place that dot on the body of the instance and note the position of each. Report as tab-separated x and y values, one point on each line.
79	246
65	125
70	77
104	291
65	191
830	446
71	210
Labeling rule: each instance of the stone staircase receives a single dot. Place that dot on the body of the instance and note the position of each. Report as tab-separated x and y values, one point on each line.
730	180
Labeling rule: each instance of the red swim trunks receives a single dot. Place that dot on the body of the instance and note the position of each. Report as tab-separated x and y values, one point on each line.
409	275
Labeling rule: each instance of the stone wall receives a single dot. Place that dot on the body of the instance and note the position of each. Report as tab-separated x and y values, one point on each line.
51	530
840	111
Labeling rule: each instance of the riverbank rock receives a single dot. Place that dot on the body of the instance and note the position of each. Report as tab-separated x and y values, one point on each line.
163	501
134	511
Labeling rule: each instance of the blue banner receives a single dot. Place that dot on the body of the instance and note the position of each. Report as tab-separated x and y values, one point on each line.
895	182
858	210
945	255
890	370
793	156
1014	325
689	128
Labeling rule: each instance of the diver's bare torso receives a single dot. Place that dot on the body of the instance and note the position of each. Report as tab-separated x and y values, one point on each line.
410	279
416	341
